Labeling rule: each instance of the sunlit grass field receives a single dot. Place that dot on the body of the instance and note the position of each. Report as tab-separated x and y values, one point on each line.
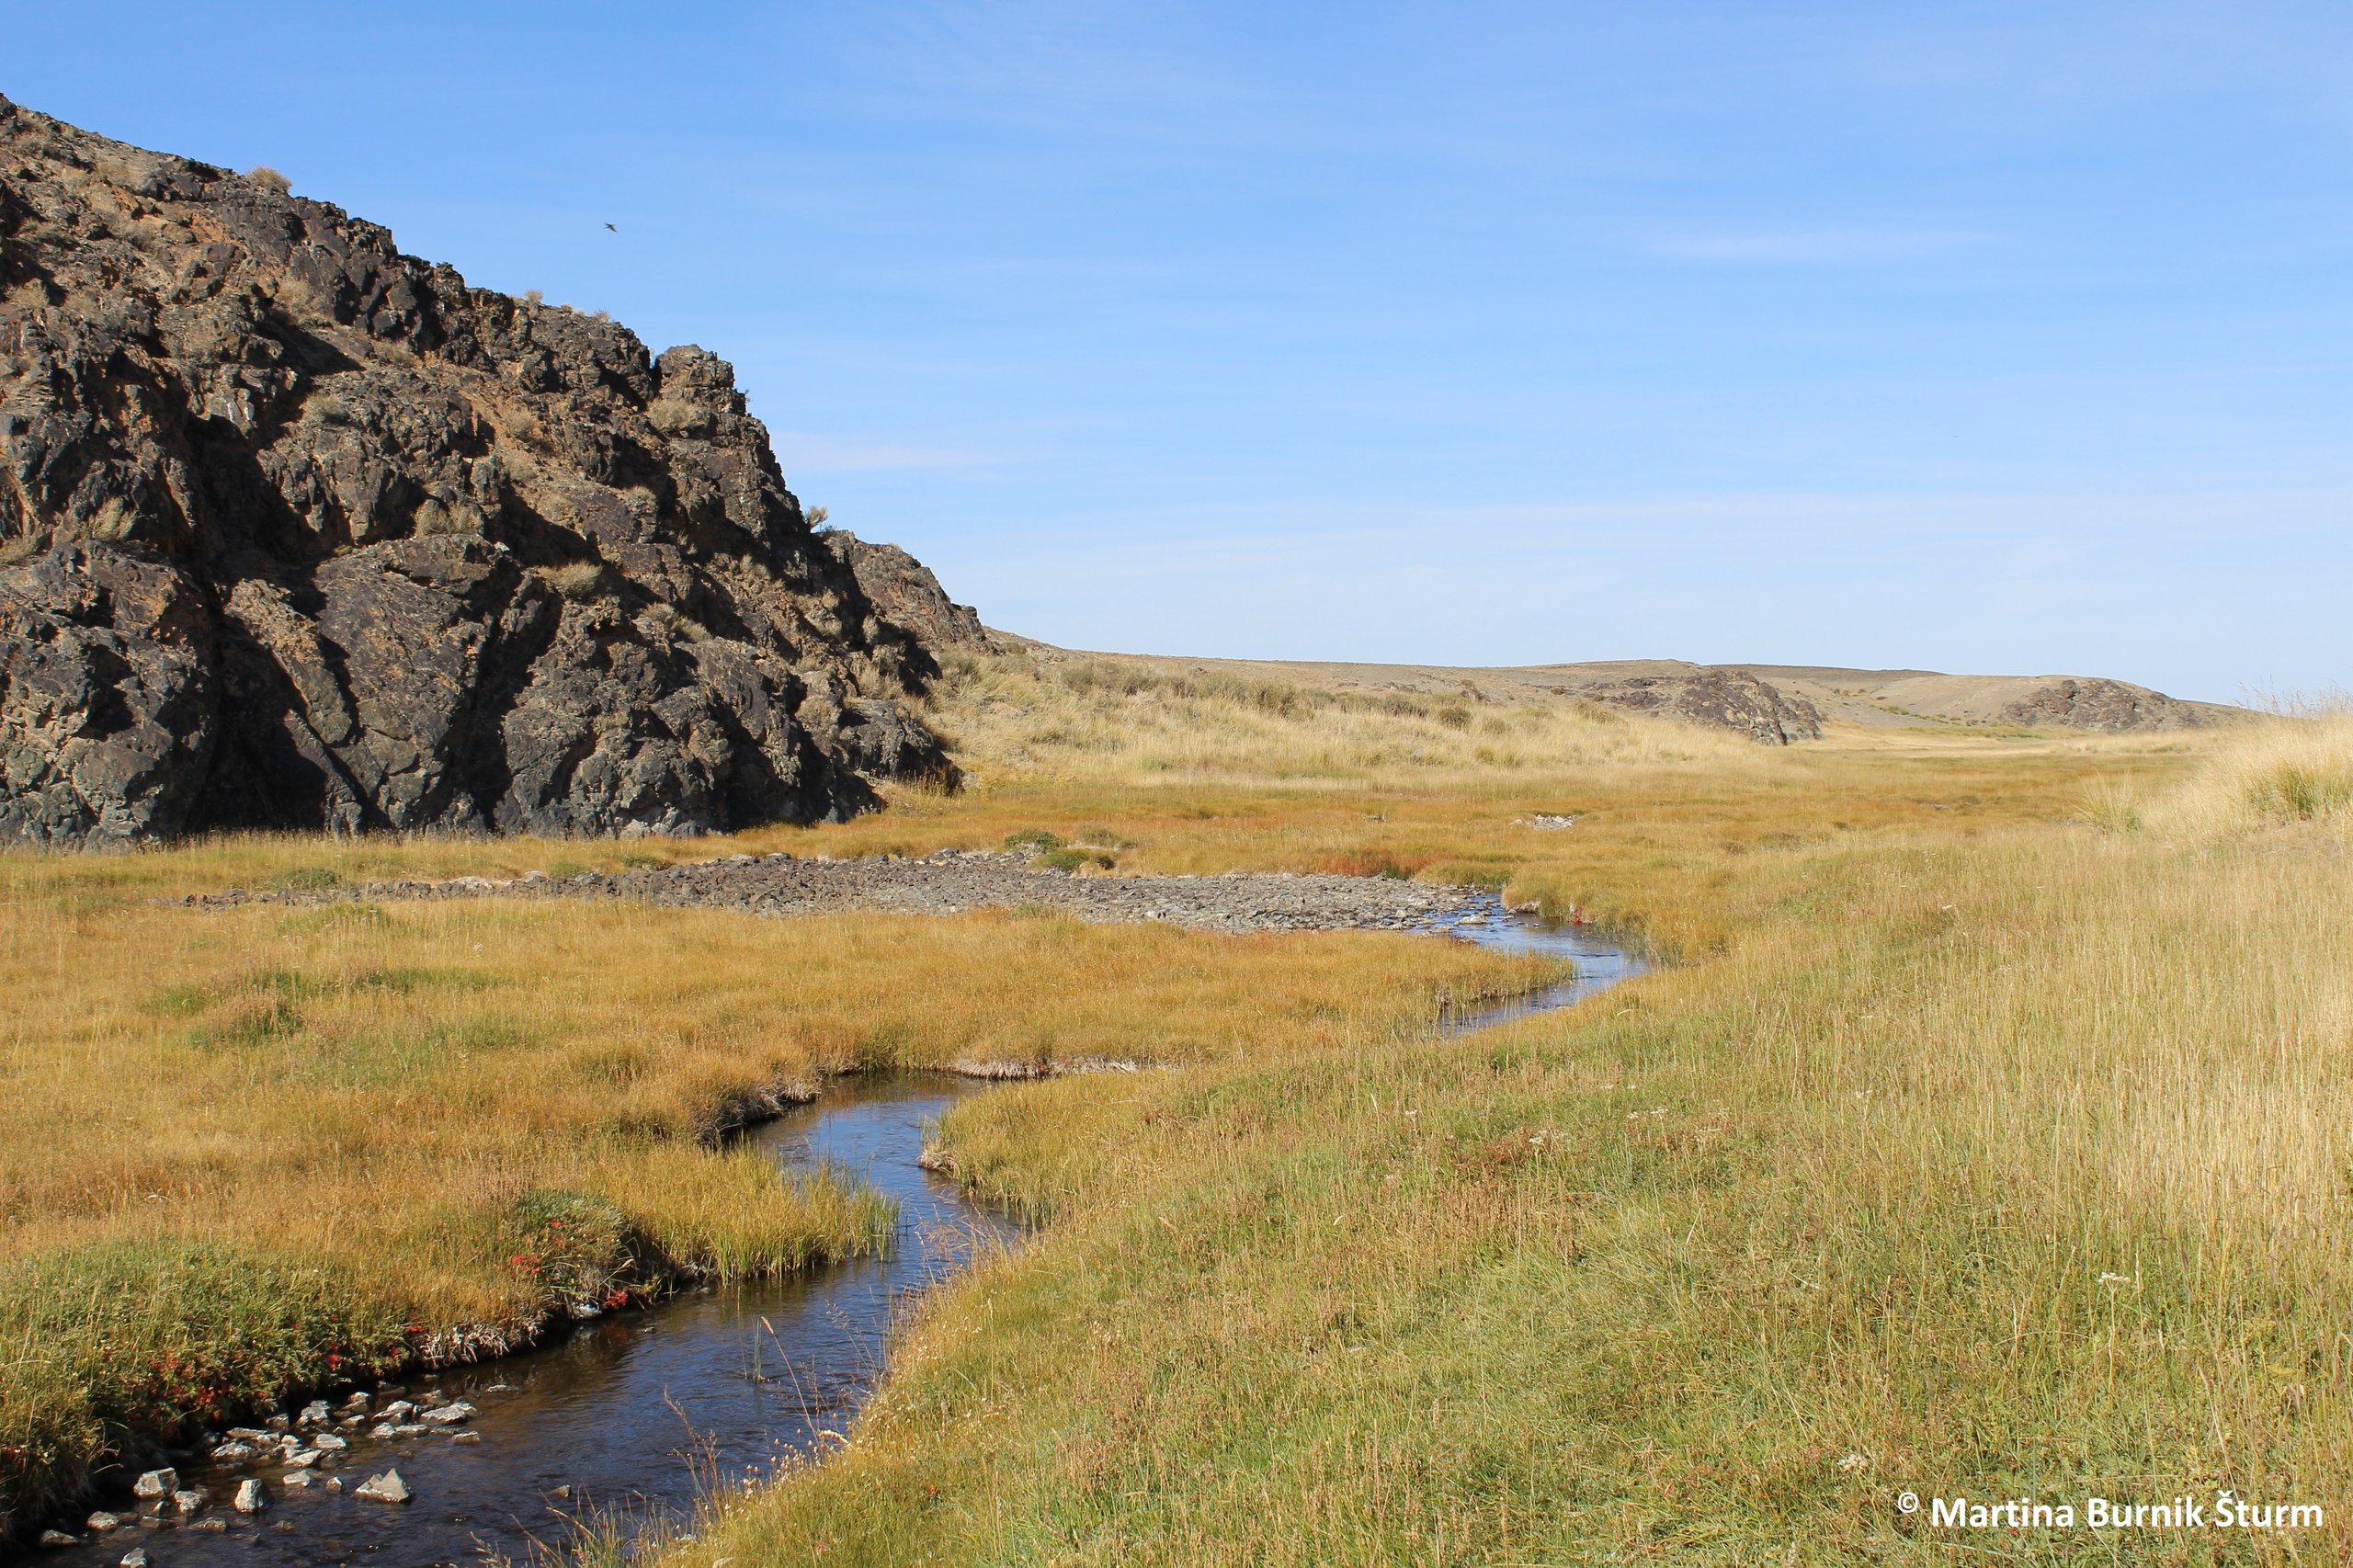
1988	1138
250	1149
1983	1132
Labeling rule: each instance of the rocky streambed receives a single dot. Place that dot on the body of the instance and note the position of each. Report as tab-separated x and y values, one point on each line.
952	881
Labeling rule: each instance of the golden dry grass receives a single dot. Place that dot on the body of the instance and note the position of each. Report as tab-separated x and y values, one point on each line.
1625	1282
2278	772
360	1100
1041	713
1984	1152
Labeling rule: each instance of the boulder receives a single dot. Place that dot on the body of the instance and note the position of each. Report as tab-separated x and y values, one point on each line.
386	1488
157	1483
250	1497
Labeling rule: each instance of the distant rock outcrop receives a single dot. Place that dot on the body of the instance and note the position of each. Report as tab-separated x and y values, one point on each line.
2111	707
299	531
1717	695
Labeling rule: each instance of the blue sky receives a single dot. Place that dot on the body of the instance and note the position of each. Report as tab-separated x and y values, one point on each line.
1989	338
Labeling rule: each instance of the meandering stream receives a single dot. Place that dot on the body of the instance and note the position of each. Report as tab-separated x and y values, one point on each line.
643	1412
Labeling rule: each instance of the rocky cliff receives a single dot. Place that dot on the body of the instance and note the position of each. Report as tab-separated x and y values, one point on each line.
299	531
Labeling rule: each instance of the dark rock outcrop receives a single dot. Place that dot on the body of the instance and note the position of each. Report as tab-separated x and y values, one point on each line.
299	531
905	592
2110	707
1716	696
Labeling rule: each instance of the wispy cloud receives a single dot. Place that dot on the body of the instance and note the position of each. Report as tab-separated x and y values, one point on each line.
1825	244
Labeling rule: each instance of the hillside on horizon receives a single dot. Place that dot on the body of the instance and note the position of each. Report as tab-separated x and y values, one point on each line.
1775	704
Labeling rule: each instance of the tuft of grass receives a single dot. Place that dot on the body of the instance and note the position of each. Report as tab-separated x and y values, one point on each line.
1073	858
2281	772
578	580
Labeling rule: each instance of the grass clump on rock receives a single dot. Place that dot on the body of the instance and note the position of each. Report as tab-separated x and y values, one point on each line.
1073	858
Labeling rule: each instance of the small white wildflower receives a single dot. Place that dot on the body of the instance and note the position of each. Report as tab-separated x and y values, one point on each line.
2116	1279
1853	1462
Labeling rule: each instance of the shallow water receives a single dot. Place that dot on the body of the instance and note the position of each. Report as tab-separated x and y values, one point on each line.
1600	964
640	1411
644	1412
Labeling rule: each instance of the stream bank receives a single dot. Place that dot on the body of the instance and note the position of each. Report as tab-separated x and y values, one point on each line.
642	1413
639	1413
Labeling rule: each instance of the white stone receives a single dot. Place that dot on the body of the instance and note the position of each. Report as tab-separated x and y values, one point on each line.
386	1488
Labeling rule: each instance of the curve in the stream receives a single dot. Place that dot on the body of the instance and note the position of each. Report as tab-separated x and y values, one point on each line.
642	1414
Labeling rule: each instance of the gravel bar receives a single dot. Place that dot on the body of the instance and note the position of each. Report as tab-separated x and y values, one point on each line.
953	881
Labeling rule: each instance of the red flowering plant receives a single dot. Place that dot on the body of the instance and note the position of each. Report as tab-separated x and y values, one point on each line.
158	1337
579	1254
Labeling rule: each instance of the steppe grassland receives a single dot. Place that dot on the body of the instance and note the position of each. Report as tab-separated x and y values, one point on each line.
1101	718
1996	1150
621	1030
248	1147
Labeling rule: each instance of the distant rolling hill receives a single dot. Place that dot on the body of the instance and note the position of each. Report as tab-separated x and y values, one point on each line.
1775	704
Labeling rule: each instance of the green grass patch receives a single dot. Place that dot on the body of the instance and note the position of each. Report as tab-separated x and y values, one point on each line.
156	1337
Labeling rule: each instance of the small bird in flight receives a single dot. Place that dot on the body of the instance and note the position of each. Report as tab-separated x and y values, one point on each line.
610	226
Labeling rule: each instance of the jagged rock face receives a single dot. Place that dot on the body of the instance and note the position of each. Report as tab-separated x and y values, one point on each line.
1719	698
906	594
2111	707
299	531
